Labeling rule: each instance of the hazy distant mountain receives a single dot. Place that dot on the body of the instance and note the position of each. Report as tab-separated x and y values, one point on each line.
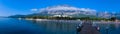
117	15
104	14
17	16
107	14
1	16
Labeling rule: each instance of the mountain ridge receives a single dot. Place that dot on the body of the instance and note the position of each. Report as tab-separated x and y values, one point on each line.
72	11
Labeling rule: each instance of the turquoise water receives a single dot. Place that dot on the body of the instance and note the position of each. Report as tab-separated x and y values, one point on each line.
16	26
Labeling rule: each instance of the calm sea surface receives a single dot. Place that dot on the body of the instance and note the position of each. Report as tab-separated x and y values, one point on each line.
16	26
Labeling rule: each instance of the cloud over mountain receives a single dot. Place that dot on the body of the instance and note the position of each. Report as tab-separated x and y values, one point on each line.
64	7
70	10
67	10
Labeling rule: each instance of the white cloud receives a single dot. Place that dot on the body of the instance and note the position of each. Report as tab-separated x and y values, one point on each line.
67	8
34	9
87	9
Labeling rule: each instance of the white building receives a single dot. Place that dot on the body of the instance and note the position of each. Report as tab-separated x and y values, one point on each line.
61	16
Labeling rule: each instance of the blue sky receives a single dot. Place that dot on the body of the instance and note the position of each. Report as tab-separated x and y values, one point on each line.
12	7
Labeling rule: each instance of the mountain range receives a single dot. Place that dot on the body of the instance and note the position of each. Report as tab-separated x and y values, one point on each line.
73	11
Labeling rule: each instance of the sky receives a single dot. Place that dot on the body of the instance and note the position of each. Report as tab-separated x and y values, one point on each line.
14	7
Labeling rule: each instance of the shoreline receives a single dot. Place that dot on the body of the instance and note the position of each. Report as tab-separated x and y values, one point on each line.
102	21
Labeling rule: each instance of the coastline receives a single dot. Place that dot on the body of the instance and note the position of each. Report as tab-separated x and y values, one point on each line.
102	21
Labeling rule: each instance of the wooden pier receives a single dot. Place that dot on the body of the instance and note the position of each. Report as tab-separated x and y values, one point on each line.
87	28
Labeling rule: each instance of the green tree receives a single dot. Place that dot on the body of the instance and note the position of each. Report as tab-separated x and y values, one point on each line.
113	18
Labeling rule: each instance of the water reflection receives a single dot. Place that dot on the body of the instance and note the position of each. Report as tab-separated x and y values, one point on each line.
69	27
15	26
109	28
59	26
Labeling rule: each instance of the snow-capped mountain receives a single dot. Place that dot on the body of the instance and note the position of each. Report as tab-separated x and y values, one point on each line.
67	10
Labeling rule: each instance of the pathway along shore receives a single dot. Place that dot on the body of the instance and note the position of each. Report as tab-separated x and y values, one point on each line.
87	28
